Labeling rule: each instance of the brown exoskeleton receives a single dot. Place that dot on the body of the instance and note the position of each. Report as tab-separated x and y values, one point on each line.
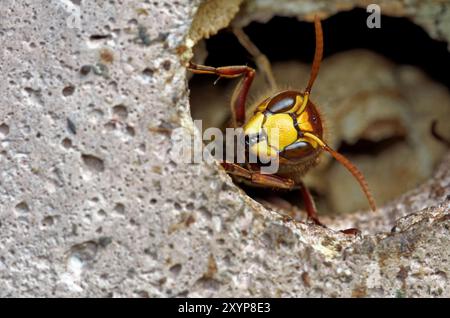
301	133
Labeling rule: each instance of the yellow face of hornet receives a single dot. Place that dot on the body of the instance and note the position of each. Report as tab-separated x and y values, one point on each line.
278	127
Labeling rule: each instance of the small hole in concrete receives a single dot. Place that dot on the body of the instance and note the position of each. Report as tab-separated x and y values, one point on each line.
81	255
130	131
119	208
48	221
175	269
148	72
101	214
205	212
85	70
177	206
142	294
110	125
120	111
93	163
67	143
131	273
68	90
76	2
71	126
99	37
4	130
166	65
104	241
22	207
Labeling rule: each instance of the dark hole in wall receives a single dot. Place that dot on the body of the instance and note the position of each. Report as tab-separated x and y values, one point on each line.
399	39
281	39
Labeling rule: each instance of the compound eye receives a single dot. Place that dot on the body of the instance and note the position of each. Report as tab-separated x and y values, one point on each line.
282	103
297	150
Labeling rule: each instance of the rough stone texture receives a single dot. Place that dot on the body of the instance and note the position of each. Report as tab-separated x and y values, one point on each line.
93	201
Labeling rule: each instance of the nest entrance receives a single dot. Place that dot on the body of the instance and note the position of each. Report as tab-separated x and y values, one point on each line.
372	87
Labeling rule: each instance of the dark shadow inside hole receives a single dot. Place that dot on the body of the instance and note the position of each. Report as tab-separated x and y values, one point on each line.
282	39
